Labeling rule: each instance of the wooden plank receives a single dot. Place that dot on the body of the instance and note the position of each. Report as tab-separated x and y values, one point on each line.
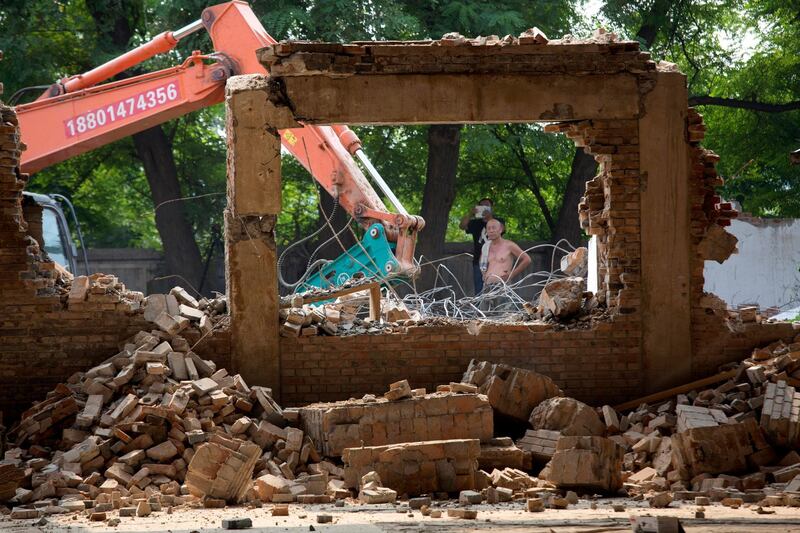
663	395
375	302
339	292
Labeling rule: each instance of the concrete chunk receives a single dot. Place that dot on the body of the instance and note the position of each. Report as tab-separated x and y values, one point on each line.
512	392
716	449
162	452
177	364
171	324
222	468
567	416
562	298
398	391
587	463
336	426
205	386
417	467
541	443
184	297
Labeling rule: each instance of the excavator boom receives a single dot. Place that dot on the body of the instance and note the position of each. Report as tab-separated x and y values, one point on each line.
76	115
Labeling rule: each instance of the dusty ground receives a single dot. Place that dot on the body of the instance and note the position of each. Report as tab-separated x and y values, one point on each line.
355	518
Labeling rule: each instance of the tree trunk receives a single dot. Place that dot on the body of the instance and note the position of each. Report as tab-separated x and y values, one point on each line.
568	226
177	235
117	21
653	22
533	185
444	142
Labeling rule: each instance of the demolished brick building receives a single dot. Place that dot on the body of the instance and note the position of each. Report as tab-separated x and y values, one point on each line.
652	207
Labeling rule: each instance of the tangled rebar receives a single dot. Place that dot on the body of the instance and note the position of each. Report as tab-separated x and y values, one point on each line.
499	301
448	299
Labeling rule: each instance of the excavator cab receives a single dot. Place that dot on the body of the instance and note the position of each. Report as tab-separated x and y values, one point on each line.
48	224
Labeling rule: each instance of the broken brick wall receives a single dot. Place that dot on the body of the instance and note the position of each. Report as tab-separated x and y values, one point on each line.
612	209
41	330
719	335
43	337
598	365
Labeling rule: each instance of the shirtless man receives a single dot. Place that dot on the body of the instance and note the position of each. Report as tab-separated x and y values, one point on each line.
503	259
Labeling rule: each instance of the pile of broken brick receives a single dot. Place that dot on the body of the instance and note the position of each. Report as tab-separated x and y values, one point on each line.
733	443
176	311
340	311
156	427
173	312
341	317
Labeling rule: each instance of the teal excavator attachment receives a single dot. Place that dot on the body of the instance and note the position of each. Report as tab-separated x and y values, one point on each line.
372	257
375	257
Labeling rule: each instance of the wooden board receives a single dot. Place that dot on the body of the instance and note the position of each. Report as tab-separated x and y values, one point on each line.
374	298
663	395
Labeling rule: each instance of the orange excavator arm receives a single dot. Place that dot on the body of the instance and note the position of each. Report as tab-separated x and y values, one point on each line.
76	115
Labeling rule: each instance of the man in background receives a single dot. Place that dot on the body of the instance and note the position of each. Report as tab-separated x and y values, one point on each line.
501	261
474	223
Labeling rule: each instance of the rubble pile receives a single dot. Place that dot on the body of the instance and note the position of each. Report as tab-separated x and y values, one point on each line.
308	321
736	440
177	310
348	309
181	309
158	425
100	288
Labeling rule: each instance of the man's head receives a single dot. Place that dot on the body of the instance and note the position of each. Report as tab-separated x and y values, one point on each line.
487	213
494	229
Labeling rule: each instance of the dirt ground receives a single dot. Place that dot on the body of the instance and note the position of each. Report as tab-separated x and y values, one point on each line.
508	517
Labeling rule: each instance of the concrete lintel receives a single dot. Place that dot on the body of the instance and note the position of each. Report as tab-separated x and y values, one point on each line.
457	98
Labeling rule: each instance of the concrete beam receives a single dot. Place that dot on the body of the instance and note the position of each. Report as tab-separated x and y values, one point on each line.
457	98
254	201
665	224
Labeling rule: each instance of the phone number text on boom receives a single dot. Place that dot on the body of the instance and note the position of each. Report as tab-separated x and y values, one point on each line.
122	109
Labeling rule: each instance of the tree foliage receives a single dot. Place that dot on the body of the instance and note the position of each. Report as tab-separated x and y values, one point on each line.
741	60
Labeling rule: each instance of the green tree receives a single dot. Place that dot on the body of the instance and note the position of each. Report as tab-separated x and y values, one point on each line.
741	62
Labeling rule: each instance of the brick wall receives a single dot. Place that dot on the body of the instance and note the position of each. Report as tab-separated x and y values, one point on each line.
718	336
601	364
611	209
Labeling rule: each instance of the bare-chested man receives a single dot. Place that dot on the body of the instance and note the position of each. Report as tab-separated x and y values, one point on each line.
503	259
